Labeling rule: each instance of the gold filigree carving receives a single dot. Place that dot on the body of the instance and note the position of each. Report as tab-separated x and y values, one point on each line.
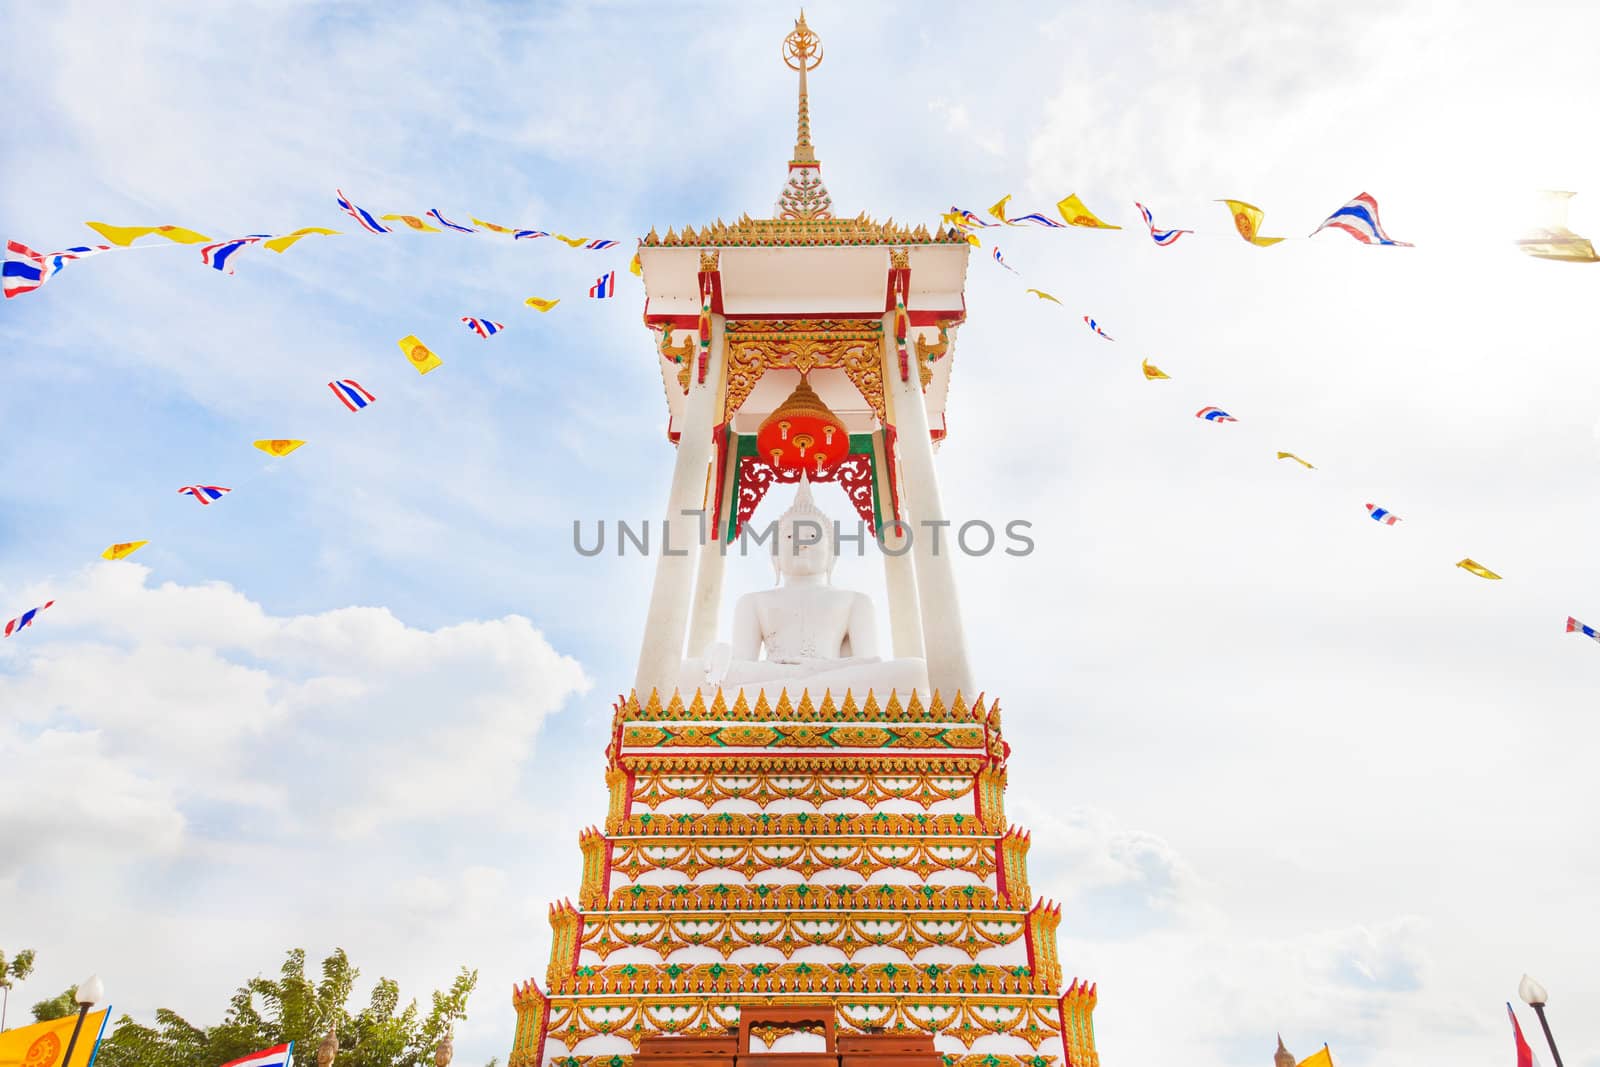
747	232
756	346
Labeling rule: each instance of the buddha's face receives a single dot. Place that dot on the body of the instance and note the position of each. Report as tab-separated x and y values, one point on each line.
803	547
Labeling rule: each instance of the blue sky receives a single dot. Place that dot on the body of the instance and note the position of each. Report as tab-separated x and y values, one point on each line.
1283	766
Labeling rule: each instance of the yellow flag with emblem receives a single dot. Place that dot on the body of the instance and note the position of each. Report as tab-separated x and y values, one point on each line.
123	549
284	243
420	355
278	446
1247	220
123	236
1320	1058
539	303
412	221
999	209
45	1044
1076	213
1479	569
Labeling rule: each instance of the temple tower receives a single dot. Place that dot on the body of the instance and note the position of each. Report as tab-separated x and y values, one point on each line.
812	841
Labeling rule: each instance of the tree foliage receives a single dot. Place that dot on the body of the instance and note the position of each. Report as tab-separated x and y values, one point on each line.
59	1006
294	1007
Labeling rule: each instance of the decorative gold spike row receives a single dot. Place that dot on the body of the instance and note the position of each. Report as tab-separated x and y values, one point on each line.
988	1059
801	823
849	932
843	762
847	709
727	898
802	735
1076	1019
922	857
652	789
1035	1019
806	232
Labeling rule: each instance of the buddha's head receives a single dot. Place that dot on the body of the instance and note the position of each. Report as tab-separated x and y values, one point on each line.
805	544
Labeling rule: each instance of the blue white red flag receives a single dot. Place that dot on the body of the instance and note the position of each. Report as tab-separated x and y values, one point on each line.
529	235
1211	414
1383	515
220	255
26	618
1359	219
998	258
598	245
483	327
350	393
25	270
1576	627
1160	237
276	1056
361	215
1039	220
604	286
1095	326
1525	1056
441	220
57	260
204	493
971	219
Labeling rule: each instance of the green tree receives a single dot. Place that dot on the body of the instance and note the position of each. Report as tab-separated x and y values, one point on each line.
13	971
57	1007
293	1007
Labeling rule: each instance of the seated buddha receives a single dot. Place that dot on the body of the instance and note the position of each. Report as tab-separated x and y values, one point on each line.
816	637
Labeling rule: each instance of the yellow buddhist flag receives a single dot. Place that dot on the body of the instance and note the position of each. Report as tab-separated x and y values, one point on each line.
123	236
1042	295
1153	372
954	218
539	303
1247	220
45	1044
572	242
1320	1058
412	221
972	239
1479	569
282	244
1297	459
1073	210
999	209
278	446
123	549
420	355
493	226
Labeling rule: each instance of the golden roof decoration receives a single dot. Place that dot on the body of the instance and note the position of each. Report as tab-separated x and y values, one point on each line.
747	232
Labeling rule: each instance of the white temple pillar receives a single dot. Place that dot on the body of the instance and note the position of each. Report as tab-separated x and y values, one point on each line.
944	641
661	653
900	581
707	605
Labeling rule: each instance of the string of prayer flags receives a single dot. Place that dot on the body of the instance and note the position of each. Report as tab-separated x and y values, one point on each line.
25	270
420	355
1095	326
361	215
1247	220
284	243
963	219
1211	414
220	255
351	394
1042	295
1152	372
605	286
482	327
1550	238
123	549
999	209
1359	219
998	258
540	304
1479	569
25	620
123	236
1077	214
447	224
1383	515
1576	627
412	221
205	494
1160	237
1297	459
277	446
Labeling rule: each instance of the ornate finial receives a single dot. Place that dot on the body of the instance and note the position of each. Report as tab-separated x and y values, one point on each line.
710	259
1283	1058
804	197
802	51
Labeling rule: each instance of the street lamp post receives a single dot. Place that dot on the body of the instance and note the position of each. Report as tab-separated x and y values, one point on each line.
1534	995
90	993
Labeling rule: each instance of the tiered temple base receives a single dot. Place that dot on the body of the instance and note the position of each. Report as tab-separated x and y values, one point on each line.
763	858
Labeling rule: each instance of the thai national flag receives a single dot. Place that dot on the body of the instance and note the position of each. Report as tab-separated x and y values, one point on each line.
1359	219
529	235
1039	220
604	286
276	1056
350	393
1525	1056
1160	237
25	618
361	215
1576	627
597	245
483	327
204	493
220	255
25	270
1211	414
1383	515
1095	326
451	225
58	260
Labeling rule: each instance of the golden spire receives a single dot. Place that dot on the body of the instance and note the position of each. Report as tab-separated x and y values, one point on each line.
1283	1058
802	51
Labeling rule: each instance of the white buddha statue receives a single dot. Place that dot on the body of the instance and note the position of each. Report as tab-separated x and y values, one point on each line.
816	637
